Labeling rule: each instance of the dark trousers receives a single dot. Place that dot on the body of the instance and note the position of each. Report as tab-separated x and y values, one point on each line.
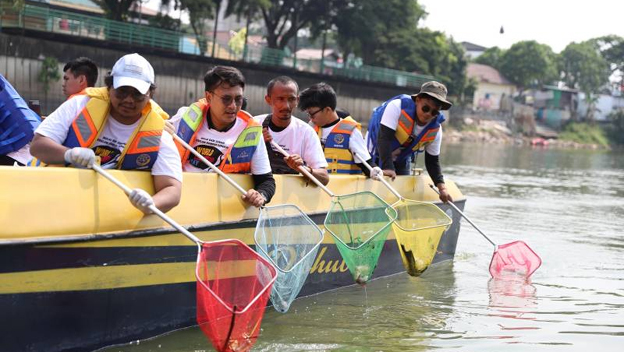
402	167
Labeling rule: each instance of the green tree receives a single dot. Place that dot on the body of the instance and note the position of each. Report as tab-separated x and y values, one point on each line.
529	64
491	57
48	74
612	49
284	18
250	9
453	69
382	33
117	10
164	21
583	67
199	11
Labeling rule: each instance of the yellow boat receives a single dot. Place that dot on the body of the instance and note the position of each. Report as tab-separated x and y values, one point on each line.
81	268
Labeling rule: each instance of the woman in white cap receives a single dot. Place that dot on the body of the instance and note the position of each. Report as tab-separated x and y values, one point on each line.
120	124
406	125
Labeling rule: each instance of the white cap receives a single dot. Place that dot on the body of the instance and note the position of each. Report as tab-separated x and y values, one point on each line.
134	71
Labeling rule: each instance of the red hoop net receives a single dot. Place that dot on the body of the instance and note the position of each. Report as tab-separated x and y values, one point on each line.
233	286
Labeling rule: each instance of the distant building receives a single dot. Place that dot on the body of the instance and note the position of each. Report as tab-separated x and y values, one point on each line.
473	50
491	85
138	12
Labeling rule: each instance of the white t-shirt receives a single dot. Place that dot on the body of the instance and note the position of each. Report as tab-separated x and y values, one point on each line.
213	144
390	119
112	140
356	143
299	138
22	155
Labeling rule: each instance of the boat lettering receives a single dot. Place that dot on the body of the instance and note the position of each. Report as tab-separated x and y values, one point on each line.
322	266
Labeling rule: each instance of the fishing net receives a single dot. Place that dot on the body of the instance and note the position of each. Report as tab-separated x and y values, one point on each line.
290	240
515	258
360	223
233	287
418	229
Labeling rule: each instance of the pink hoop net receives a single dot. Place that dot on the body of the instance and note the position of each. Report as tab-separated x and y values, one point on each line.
515	258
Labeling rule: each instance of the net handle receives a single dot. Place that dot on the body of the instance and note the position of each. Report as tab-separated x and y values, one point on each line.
380	178
152	207
464	216
303	170
211	165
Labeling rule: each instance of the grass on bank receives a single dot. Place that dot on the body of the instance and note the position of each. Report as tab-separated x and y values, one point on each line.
584	133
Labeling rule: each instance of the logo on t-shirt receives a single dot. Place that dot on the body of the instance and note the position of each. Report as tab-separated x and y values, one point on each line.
339	138
212	154
108	156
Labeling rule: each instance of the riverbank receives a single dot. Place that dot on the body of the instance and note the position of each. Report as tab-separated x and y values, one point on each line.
496	132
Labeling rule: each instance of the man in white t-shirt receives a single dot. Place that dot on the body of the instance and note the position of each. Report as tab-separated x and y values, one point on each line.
292	134
406	125
225	135
120	124
341	138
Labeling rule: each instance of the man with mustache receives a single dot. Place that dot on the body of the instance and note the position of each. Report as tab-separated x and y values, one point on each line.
122	125
217	128
407	125
291	133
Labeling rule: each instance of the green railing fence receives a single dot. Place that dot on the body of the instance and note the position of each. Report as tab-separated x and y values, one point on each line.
40	18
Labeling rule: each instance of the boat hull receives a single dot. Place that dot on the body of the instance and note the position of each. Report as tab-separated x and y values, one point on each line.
81	291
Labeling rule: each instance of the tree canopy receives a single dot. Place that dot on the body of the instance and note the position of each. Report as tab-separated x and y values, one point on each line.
529	64
491	57
116	9
583	67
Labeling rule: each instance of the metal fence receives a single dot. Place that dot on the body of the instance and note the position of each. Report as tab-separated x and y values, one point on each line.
49	20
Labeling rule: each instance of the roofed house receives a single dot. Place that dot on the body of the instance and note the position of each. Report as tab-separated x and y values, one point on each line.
473	50
491	86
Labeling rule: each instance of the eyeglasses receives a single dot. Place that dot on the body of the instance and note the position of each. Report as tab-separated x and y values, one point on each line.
428	109
314	113
228	99
122	93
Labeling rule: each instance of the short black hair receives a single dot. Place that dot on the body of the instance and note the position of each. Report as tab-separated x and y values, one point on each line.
284	80
108	81
223	74
83	66
342	113
320	95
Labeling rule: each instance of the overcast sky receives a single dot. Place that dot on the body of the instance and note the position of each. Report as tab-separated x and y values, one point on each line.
553	22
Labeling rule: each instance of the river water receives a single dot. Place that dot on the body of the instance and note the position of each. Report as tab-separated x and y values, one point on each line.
566	205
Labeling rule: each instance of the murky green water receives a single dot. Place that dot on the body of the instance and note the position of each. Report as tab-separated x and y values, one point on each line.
567	205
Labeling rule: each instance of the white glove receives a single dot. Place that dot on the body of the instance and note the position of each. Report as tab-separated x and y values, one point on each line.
376	173
141	200
80	157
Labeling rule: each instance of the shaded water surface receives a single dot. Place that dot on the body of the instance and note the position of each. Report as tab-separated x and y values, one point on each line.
567	205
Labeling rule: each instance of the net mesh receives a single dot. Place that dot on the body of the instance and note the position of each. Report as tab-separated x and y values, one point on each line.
290	240
233	286
360	223
418	229
515	258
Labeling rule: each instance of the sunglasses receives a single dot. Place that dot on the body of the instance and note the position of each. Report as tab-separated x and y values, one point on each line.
123	92
428	109
228	99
